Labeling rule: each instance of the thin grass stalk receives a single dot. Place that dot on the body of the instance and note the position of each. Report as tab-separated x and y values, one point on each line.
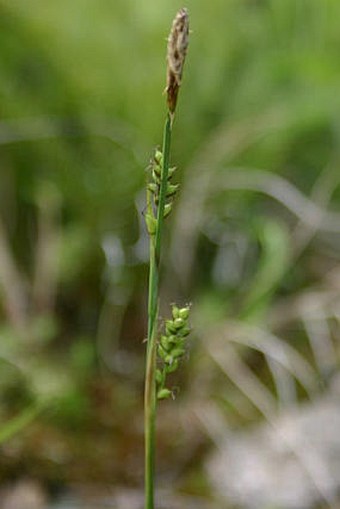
160	194
150	380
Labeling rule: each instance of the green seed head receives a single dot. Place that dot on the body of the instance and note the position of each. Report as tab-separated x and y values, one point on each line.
156	175
153	187
167	209
170	327
164	393
171	189
179	323
151	224
173	366
168	359
159	377
165	343
158	157
185	331
177	352
184	313
162	352
171	171
172	339
175	311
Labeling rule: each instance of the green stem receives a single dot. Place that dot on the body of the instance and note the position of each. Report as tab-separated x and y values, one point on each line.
150	399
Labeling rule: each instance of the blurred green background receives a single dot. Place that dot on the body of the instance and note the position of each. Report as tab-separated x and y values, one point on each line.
254	233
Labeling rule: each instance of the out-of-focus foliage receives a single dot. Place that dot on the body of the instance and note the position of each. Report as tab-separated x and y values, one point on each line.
256	141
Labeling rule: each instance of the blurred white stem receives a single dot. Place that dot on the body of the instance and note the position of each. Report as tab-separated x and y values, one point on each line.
46	251
309	212
12	285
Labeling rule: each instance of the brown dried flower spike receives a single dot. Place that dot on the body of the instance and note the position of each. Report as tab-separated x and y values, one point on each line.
177	48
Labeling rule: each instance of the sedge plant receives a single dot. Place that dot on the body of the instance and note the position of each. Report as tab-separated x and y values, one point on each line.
164	348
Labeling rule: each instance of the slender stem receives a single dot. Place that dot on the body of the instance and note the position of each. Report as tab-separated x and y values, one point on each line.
150	399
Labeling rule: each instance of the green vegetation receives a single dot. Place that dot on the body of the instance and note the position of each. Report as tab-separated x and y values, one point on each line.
252	240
